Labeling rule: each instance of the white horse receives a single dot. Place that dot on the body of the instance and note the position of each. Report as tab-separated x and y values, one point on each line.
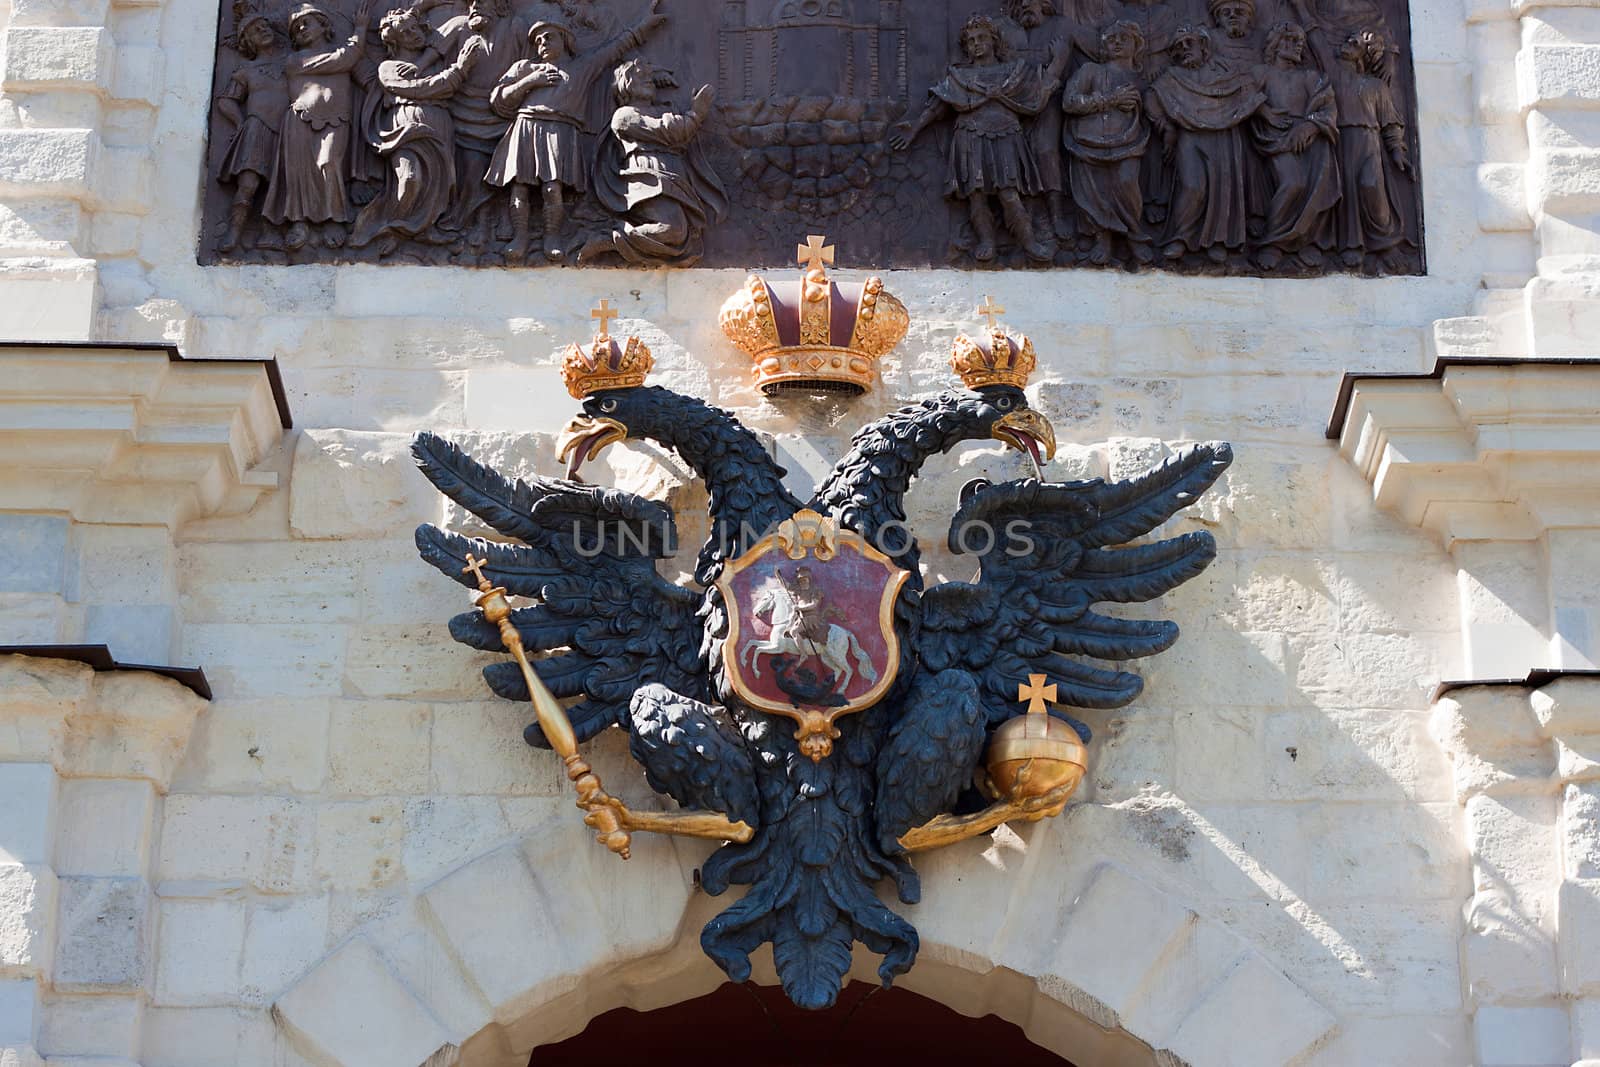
835	653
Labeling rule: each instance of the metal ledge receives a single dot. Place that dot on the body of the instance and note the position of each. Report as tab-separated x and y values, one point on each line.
99	657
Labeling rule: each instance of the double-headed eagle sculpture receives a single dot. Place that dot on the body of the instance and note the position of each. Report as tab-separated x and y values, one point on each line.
809	702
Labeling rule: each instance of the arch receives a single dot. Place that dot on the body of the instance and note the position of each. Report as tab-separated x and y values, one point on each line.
527	943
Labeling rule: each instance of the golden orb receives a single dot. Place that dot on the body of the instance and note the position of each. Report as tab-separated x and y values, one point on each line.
1034	754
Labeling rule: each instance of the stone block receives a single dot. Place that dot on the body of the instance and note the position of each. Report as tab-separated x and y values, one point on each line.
107	1026
1506	953
1503	198
1578	928
1580	831
198	952
1513	845
379	747
1586	1031
279	582
140	75
137	727
60	12
413	662
1521	1036
27	921
36	618
519	953
115	233
360	845
281	942
478	748
125	564
348	484
509	398
263	841
297	661
367	399
443	832
1568	707
58	57
1370	670
135	633
102	934
1258	676
258	746
37	551
48	162
354	1012
1563	180
1404	1039
29	797
1353	755
38	694
19	1012
1493	739
1252	990
1127	925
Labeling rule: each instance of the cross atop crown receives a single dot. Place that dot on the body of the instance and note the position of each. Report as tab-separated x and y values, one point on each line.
815	253
605	313
991	311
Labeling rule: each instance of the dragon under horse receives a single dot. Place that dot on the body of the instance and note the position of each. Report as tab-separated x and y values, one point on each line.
815	805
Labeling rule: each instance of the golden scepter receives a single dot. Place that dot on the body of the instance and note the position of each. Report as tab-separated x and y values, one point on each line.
602	809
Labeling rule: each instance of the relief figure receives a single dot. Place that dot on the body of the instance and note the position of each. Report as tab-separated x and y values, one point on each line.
254	104
653	175
309	180
1106	137
1298	133
1029	31
1372	135
989	152
478	128
1198	105
414	136
546	101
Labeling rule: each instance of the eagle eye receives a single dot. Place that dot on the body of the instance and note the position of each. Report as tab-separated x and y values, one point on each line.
1003	403
608	405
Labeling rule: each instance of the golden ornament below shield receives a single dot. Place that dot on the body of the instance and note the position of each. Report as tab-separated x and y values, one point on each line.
1035	753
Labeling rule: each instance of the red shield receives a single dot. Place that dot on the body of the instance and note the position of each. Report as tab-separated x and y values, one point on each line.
811	625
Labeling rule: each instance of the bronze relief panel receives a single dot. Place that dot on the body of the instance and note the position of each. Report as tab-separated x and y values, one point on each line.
1265	137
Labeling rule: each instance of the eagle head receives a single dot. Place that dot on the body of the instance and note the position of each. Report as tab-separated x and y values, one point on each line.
1004	412
609	416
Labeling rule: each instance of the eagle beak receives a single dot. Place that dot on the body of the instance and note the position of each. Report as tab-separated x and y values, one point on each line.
1030	433
584	438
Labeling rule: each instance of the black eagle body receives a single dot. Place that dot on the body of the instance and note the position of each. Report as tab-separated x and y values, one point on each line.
639	652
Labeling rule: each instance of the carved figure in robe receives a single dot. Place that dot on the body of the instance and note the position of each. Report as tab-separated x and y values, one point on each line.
546	100
254	103
1030	30
479	128
1297	131
989	95
310	178
1198	106
1372	137
653	175
1236	42
1107	136
414	136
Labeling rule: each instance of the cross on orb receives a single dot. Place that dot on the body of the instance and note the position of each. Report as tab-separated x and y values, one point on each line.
992	311
815	253
474	567
1036	693
605	313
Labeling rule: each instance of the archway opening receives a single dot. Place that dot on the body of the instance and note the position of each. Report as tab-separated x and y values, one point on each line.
752	1023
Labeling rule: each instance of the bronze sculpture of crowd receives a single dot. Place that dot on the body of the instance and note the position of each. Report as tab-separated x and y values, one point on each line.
1181	135
1204	135
471	100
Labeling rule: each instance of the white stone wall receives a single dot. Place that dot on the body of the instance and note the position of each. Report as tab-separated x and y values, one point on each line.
356	834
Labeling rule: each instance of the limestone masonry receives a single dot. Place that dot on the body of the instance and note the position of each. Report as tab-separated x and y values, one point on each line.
1298	847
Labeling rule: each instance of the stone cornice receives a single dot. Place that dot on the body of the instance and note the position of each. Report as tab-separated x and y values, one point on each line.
1480	449
134	434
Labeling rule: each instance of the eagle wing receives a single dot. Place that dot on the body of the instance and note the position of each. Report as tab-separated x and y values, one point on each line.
1050	555
588	557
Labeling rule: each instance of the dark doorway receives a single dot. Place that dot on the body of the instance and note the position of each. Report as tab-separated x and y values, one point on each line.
750	1024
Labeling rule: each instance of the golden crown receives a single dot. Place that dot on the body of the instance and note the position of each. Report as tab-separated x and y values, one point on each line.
605	364
815	335
996	357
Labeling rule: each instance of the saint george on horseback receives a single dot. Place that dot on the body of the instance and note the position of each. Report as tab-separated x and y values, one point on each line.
802	626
